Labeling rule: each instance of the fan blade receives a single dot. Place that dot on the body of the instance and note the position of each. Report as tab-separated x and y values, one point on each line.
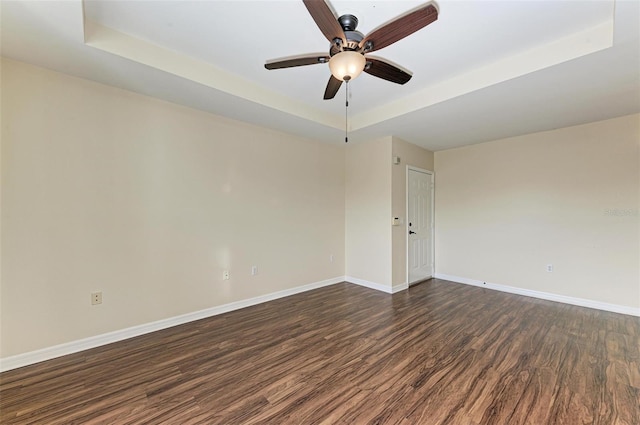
332	88
325	19
400	27
384	69
289	62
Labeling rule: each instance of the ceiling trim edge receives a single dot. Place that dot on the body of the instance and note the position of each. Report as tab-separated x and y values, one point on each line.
571	47
135	49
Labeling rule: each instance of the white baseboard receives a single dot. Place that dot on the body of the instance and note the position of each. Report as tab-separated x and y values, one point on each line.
614	308
368	284
401	287
376	286
20	360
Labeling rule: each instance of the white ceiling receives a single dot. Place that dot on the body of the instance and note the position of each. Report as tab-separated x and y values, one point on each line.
484	70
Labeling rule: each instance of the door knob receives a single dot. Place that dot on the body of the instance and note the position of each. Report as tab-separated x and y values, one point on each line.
411	232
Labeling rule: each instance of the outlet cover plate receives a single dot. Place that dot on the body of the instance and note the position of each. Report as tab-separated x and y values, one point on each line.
96	298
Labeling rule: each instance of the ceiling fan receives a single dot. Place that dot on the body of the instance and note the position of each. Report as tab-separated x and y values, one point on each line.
348	53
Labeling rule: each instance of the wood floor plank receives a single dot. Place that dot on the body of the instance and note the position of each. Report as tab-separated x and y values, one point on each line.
439	353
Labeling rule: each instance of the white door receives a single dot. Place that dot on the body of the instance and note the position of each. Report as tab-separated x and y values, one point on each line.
419	225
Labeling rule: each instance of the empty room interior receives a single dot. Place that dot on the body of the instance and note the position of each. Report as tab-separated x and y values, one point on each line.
320	212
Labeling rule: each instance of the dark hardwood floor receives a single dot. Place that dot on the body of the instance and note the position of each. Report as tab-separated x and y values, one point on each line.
439	353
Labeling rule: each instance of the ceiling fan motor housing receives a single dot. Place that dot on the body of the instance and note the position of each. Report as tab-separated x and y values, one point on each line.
349	23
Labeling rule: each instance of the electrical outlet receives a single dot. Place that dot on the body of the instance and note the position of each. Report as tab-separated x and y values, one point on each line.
225	275
549	268
331	258
254	270
96	298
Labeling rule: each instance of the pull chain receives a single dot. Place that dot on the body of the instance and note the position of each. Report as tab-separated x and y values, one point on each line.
346	114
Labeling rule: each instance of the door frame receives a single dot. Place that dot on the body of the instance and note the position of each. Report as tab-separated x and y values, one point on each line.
431	212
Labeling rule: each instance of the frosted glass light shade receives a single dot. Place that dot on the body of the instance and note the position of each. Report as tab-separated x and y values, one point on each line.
346	65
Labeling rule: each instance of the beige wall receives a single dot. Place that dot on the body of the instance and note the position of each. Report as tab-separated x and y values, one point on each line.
568	197
368	211
415	156
148	202
375	193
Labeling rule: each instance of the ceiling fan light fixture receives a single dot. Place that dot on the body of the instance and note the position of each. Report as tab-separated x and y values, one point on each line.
347	65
